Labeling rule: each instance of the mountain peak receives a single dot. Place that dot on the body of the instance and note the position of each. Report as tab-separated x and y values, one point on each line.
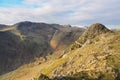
92	31
96	29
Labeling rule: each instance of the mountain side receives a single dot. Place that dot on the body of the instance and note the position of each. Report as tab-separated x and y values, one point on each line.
25	42
93	31
8	49
96	58
2	26
63	38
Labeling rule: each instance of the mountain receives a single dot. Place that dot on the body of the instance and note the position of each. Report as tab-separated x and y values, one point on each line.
2	25
25	42
93	31
94	55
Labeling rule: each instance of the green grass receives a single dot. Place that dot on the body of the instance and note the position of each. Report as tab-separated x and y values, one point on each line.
53	66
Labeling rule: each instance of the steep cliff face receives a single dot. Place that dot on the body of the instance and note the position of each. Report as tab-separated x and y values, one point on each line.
24	42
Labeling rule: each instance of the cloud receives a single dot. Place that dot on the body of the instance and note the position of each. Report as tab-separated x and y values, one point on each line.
75	12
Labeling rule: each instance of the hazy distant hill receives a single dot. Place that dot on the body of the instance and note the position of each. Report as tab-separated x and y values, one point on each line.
2	26
116	30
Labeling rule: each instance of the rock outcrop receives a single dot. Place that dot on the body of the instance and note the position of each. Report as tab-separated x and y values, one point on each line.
92	31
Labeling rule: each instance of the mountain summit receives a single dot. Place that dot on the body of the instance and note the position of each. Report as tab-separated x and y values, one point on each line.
96	29
93	31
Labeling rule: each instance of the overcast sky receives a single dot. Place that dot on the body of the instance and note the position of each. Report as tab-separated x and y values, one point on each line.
74	12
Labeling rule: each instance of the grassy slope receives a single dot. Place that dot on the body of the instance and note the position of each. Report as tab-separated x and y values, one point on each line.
91	58
30	71
78	60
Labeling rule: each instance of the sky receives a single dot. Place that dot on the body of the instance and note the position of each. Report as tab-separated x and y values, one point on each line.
73	12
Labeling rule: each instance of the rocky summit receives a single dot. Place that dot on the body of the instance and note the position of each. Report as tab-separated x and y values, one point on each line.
59	52
91	32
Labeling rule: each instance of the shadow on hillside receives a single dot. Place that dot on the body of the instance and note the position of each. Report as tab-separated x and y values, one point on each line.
15	52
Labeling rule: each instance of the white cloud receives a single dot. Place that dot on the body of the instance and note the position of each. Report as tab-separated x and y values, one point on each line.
73	12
